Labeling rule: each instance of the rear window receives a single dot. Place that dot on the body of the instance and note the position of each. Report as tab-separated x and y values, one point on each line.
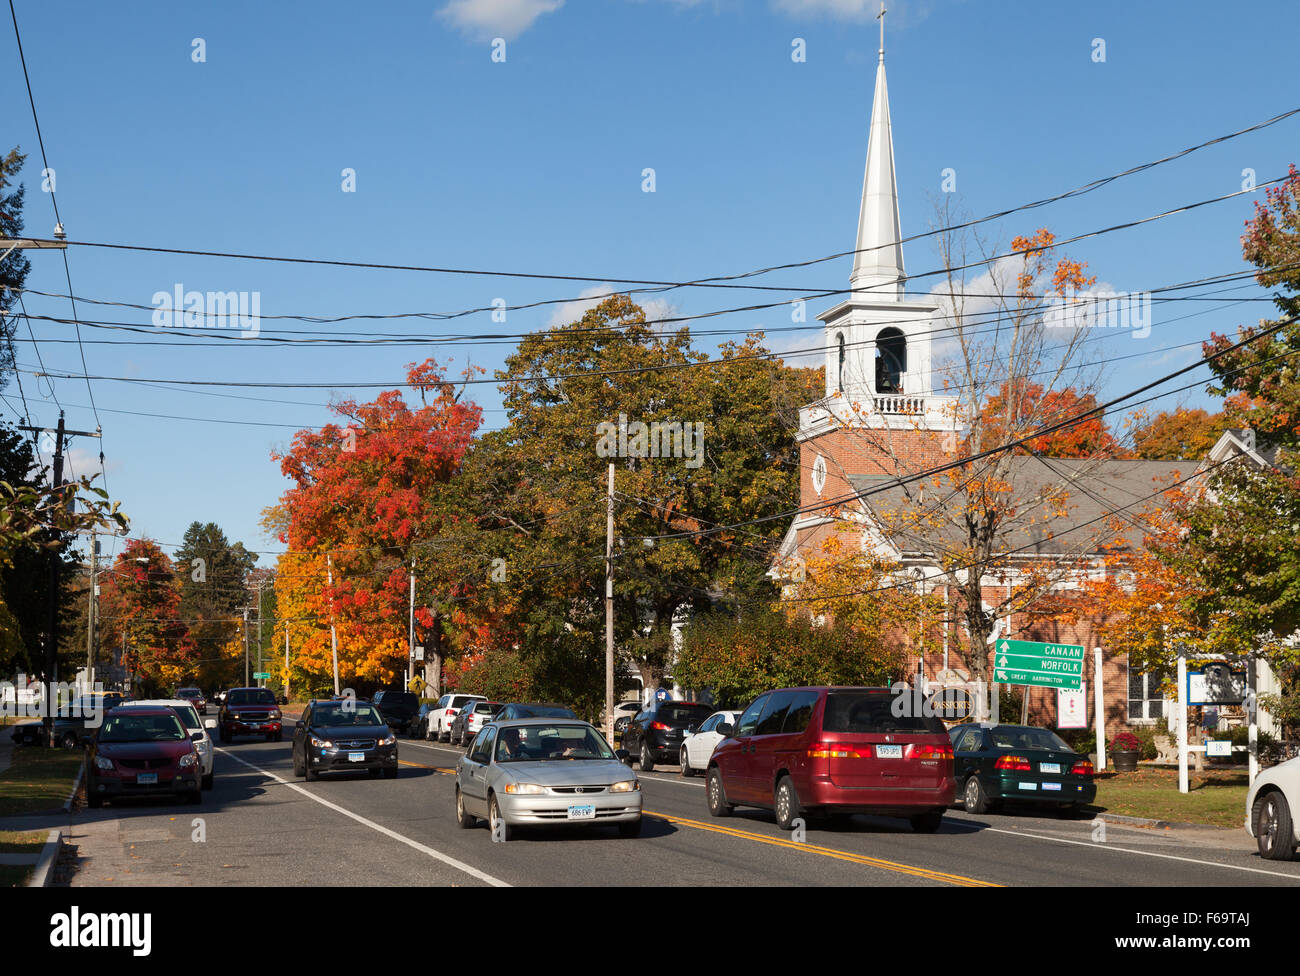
460	700
684	714
401	698
866	711
1025	738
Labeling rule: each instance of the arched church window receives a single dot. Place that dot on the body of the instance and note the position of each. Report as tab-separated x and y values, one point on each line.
839	370
891	361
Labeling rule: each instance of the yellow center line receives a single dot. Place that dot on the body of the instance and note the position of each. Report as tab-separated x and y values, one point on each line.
955	879
437	769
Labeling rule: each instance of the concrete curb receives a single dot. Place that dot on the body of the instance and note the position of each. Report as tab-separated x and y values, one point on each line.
1116	818
76	785
44	871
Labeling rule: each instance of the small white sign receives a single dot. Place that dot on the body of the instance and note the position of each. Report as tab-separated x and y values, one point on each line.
1221	748
1072	707
419	652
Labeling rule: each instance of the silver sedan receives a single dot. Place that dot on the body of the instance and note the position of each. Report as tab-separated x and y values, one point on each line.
538	772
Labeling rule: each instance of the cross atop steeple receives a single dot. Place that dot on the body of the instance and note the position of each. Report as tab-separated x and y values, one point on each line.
881	17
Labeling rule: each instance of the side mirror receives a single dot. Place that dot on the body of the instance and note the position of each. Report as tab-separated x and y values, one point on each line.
196	736
300	724
209	723
621	755
725	729
690	729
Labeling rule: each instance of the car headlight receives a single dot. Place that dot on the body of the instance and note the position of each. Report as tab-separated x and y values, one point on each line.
274	713
531	788
187	760
102	763
389	741
627	786
321	743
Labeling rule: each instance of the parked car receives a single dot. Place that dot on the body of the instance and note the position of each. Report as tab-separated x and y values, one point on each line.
700	741
814	752
342	736
195	697
76	726
448	707
196	727
656	734
398	708
544	772
420	724
1271	806
142	751
250	711
467	724
515	710
996	764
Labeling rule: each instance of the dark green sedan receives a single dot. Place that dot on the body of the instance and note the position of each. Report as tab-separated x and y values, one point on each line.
996	764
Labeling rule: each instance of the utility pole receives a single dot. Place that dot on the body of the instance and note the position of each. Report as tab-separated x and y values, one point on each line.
260	584
609	608
91	604
245	609
286	659
334	639
410	633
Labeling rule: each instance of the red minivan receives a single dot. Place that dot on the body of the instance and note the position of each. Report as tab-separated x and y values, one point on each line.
835	750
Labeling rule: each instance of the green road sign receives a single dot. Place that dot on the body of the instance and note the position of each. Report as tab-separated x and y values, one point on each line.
1032	663
261	674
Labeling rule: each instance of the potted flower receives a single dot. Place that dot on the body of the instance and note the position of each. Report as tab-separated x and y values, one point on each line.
1125	749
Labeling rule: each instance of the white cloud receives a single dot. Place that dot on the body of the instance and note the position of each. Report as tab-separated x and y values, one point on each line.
861	11
589	298
486	19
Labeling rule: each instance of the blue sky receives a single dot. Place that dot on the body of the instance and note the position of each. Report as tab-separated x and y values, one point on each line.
535	164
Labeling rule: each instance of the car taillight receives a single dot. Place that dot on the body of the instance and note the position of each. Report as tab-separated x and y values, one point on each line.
1017	764
932	752
659	726
1083	768
836	750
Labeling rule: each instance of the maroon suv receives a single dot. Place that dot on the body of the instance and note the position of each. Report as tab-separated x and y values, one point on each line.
142	751
250	711
812	751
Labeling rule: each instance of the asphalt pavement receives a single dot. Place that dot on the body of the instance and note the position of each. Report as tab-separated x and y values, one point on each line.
261	825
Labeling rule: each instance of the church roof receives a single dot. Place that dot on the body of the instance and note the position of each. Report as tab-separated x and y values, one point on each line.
1063	505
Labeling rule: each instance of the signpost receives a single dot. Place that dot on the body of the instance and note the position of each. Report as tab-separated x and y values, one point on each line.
1039	664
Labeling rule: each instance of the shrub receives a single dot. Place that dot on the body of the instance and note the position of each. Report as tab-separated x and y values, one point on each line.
1125	742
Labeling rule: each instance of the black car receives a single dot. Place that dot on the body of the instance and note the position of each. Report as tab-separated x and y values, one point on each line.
399	709
420	724
533	710
75	729
655	735
343	735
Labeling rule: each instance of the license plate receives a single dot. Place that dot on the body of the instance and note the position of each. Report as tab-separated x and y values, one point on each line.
356	757
1052	786
889	752
582	812
1029	786
1054	768
146	779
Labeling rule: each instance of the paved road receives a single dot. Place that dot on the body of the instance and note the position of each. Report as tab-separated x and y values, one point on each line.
260	825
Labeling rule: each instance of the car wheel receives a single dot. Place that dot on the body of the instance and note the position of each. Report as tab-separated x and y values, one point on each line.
223	735
497	825
68	740
686	763
1067	811
374	773
928	822
270	737
93	799
786	803
645	761
718	805
311	774
630	829
279	735
1273	831
390	773
298	769
463	818
194	797
207	781
974	798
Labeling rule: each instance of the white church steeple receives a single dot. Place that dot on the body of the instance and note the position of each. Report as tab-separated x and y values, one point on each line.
878	263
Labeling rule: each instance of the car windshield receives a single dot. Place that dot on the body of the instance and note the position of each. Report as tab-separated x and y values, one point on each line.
868	711
1018	737
189	693
250	696
335	715
142	728
402	700
188	715
546	743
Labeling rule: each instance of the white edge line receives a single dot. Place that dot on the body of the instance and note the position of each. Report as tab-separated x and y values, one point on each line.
1129	850
423	849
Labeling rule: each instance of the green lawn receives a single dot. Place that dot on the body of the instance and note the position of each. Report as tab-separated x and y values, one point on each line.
22	842
1215	798
39	779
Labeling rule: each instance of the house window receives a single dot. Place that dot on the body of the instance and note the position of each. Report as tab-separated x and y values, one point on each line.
839	372
891	361
1145	702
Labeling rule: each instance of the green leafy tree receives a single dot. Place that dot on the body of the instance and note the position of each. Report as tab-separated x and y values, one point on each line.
15	266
